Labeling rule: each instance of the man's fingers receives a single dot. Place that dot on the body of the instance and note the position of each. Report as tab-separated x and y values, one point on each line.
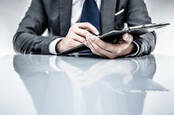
123	44
89	27
111	50
73	43
78	38
82	32
99	50
104	45
92	48
127	38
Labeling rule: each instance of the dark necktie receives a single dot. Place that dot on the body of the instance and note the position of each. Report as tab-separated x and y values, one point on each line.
91	14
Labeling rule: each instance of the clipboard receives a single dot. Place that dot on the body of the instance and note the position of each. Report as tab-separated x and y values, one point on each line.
115	35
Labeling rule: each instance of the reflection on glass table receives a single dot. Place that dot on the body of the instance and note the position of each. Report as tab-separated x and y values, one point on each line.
81	86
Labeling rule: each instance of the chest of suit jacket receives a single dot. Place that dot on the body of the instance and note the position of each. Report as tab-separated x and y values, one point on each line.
58	14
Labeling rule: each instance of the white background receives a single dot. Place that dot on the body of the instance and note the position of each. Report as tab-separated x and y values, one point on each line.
12	11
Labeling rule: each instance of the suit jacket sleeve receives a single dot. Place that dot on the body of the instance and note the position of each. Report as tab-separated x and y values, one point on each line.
137	15
28	38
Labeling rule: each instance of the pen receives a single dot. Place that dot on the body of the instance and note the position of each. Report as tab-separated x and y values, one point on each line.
120	12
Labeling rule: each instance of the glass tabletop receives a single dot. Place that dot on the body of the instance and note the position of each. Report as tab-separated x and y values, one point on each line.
42	85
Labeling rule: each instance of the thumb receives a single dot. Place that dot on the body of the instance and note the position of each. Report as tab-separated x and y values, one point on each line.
127	38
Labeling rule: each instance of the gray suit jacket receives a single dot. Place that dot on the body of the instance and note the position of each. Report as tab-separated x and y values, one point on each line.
56	15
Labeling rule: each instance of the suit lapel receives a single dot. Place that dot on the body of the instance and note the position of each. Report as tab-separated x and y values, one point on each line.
65	8
107	15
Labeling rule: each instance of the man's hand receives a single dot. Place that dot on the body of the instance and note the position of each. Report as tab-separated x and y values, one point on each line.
76	35
108	50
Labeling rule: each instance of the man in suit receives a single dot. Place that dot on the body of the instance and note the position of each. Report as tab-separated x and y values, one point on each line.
72	22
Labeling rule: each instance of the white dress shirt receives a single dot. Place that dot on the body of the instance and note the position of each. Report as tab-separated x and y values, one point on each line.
77	6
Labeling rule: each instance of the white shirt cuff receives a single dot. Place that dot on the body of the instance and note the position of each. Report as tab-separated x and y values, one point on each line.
137	50
52	46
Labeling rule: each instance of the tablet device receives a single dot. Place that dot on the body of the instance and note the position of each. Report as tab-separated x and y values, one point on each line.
115	35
